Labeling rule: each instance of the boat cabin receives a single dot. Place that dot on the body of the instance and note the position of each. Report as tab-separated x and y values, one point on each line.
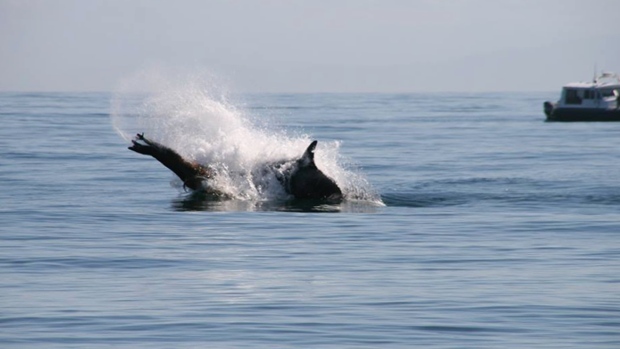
590	95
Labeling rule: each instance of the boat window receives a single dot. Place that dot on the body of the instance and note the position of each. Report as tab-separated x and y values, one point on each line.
607	93
572	97
588	94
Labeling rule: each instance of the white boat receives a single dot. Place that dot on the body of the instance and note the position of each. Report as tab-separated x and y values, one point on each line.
598	100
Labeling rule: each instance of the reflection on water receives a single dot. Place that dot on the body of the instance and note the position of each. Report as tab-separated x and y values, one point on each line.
203	202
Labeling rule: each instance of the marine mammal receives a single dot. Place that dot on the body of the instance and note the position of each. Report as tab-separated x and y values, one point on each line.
300	178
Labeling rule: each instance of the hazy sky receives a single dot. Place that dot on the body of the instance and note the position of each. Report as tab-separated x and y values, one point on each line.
310	46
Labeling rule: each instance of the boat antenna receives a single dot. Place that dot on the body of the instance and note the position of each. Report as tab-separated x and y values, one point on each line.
594	77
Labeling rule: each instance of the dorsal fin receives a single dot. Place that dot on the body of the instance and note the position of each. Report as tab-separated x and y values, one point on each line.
308	158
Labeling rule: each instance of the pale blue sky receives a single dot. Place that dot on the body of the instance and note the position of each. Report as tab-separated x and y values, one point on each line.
310	46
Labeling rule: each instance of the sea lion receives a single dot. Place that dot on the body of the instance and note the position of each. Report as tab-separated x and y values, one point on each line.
300	178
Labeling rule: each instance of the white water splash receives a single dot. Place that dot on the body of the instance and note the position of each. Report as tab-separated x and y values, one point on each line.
192	115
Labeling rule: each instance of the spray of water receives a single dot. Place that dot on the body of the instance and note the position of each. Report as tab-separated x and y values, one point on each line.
192	114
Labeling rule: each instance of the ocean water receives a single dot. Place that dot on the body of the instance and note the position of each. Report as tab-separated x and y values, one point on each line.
469	223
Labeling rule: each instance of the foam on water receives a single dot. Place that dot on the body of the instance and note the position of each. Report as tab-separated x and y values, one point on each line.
192	115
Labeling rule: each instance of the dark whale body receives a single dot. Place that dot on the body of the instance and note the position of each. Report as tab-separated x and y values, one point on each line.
300	178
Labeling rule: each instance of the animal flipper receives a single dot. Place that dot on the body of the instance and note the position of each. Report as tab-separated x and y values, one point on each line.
190	173
307	160
308	182
148	148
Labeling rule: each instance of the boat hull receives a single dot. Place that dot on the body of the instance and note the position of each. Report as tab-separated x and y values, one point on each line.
580	114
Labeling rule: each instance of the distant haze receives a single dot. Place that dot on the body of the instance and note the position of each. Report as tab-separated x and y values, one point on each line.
311	46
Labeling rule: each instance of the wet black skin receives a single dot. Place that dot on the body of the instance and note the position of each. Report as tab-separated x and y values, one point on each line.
308	182
302	179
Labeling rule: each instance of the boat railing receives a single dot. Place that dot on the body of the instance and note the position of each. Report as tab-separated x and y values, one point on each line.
607	76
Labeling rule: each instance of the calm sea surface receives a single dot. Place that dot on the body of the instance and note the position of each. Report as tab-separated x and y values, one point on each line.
498	231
